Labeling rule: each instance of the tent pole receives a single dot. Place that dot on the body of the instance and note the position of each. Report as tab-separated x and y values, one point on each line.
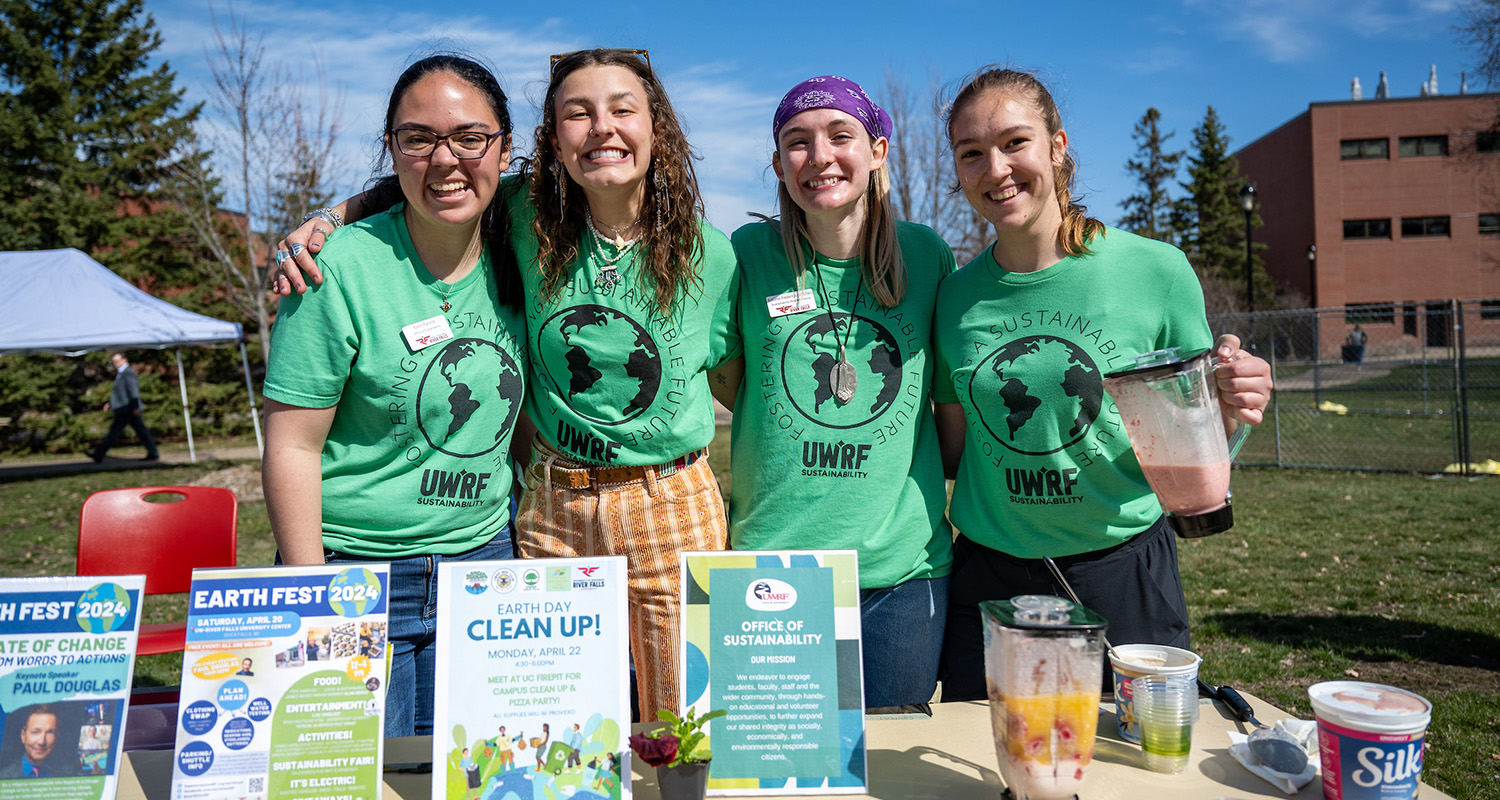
254	412
186	418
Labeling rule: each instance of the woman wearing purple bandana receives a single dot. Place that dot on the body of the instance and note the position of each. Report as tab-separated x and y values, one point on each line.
833	433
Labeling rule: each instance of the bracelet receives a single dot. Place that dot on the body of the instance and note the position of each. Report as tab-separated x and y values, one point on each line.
327	215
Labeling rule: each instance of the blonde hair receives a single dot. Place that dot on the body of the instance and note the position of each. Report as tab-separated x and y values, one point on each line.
880	252
1077	228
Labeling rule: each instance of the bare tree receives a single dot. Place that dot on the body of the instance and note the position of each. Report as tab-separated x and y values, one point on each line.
279	153
923	185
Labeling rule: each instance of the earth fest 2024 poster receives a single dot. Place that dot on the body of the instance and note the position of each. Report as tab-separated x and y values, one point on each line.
532	697
773	639
283	684
67	659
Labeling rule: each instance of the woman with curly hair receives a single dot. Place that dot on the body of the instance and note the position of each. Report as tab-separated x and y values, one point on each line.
629	306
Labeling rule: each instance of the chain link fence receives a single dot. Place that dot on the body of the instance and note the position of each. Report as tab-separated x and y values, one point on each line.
1410	387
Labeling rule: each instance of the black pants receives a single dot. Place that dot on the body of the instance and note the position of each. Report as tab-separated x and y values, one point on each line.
123	417
1133	585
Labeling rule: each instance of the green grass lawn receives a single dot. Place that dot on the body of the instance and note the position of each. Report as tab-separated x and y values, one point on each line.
1327	575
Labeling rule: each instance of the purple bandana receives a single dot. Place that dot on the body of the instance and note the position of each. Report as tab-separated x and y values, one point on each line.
831	91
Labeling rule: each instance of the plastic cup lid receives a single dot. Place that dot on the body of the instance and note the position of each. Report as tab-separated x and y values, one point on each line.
1373	705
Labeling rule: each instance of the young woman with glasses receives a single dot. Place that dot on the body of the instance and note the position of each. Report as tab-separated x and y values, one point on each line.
833	436
628	307
1025	333
394	386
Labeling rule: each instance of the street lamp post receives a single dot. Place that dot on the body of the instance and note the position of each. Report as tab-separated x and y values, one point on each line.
1317	323
1247	202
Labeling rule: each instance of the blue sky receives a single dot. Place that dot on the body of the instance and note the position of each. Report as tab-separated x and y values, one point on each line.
1258	62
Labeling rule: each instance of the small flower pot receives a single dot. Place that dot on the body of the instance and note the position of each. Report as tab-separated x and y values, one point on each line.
683	782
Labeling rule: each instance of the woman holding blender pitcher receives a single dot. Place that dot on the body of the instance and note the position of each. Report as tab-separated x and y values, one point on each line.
1026	333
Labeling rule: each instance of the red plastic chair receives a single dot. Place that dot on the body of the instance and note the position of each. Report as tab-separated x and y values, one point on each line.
122	533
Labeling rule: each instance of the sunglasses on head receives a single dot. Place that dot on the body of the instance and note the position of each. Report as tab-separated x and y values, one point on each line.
643	54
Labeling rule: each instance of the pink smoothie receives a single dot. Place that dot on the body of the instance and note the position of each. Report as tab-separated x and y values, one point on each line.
1195	489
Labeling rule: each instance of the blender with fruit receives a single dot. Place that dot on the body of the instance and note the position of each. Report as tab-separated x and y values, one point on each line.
1043	661
1170	407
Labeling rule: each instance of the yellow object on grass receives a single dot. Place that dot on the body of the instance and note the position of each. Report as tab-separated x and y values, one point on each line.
1327	405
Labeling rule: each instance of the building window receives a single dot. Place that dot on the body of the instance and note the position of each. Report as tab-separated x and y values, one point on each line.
1487	142
1358	149
1367	229
1489	223
1370	313
1409	319
1489	309
1412	227
1424	146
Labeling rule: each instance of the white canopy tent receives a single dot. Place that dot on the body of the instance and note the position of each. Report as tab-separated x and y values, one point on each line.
62	301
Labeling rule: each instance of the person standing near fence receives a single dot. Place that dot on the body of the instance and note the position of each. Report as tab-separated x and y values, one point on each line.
1356	341
1024	335
125	402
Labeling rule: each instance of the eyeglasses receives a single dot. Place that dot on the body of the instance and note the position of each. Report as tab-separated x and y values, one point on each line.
644	55
468	145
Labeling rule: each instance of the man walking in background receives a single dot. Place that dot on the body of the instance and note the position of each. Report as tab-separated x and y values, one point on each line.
125	402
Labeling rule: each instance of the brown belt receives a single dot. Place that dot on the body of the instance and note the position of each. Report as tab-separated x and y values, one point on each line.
577	475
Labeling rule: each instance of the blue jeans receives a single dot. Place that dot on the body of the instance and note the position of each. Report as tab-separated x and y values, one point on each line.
902	629
413	630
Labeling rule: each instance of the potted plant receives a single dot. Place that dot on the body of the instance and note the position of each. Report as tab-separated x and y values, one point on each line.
678	753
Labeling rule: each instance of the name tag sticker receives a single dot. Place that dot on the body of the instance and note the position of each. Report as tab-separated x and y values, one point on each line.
791	303
428	332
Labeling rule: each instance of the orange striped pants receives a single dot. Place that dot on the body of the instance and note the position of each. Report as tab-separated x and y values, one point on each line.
649	521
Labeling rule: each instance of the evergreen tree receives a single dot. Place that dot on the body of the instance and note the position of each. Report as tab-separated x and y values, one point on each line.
1149	211
1213	222
81	118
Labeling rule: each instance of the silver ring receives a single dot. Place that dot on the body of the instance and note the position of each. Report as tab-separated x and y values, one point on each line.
297	248
282	255
320	230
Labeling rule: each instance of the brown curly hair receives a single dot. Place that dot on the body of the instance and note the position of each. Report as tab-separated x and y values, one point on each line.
671	251
1078	228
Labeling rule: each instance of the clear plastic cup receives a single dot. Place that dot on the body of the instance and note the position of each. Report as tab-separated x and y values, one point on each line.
1132	661
1166	706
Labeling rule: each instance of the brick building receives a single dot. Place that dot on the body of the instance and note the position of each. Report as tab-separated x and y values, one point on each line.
1401	197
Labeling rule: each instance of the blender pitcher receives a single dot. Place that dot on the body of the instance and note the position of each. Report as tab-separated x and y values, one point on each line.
1170	408
1043	664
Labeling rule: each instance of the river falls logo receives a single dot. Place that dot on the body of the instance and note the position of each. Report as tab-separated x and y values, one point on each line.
769	594
807	361
466	375
599	341
1037	395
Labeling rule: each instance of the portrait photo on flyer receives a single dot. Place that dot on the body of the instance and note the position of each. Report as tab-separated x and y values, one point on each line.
67	660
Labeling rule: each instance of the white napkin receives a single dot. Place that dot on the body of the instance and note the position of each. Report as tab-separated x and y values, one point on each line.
1305	731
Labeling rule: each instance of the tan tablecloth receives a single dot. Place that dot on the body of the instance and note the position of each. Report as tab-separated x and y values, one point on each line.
951	755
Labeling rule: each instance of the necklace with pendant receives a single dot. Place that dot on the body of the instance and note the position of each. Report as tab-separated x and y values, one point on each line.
842	378
609	275
472	252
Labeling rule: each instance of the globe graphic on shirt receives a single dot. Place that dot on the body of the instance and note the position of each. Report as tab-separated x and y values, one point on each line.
463	377
604	365
1037	395
808	359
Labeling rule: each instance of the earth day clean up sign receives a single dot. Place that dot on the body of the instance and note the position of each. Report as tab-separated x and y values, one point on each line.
283	684
532	696
67	659
772	638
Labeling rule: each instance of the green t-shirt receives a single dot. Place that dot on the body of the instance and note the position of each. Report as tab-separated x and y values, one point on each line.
811	472
612	382
1047	469
417	459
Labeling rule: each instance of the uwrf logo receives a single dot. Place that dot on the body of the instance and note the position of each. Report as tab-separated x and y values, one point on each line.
769	594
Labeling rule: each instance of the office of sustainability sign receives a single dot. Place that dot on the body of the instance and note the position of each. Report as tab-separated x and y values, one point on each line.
773	639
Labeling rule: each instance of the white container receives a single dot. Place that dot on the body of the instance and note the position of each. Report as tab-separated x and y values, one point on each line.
1370	739
1131	661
